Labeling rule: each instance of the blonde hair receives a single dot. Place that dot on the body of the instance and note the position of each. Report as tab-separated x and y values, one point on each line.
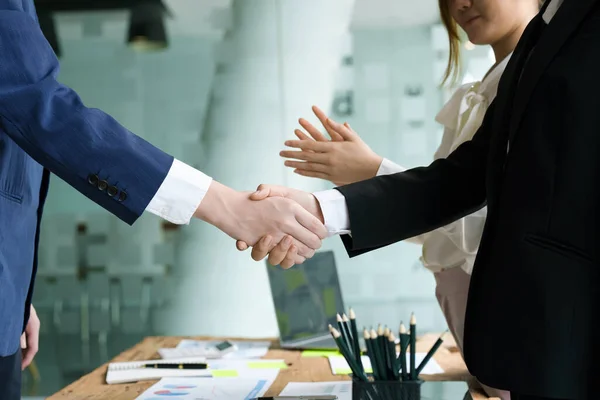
453	68
452	72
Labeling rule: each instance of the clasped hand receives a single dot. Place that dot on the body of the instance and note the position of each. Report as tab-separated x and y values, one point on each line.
284	253
342	160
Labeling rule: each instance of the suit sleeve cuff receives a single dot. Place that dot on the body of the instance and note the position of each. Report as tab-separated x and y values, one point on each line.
388	167
335	211
180	194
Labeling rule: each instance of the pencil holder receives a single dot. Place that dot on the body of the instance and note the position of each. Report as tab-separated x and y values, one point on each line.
386	390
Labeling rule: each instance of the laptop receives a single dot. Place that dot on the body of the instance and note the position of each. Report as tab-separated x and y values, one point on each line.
307	299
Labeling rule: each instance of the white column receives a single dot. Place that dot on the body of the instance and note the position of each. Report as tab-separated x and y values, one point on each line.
280	58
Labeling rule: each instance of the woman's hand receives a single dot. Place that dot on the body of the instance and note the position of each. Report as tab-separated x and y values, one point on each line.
342	160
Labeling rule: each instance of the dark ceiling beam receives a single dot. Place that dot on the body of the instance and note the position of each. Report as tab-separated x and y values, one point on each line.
86	5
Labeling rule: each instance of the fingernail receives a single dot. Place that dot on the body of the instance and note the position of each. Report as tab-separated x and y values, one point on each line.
287	241
287	143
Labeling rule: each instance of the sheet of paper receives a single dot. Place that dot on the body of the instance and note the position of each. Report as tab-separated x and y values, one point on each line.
210	388
339	366
187	348
343	390
122	372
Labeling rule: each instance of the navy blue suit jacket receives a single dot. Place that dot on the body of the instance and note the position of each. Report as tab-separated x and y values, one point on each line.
45	127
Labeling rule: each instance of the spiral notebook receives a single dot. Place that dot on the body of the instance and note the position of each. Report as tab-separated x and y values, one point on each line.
133	371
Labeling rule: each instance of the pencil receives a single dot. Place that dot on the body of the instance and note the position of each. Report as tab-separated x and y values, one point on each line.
392	355
430	353
380	332
371	354
378	354
340	323
349	338
355	342
413	346
386	353
337	336
381	344
404	340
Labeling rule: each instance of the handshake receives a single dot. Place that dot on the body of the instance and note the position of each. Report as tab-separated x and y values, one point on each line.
288	224
285	224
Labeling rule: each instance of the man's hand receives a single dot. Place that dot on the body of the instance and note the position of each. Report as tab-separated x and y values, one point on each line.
276	218
279	254
30	339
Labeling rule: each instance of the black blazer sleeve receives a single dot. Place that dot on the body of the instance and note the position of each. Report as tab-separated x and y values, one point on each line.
390	208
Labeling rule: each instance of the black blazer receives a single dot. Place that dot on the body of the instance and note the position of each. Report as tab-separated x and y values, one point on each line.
534	290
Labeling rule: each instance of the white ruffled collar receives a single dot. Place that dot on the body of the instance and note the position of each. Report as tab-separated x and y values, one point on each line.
479	92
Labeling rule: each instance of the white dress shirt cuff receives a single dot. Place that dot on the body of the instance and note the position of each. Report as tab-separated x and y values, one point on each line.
335	211
388	167
180	194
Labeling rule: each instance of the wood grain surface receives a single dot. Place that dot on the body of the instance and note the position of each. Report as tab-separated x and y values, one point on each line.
300	369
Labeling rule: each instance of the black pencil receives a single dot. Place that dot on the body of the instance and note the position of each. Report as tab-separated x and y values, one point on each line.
349	338
392	355
382	344
371	354
378	354
388	360
380	332
430	353
340	323
337	336
413	346
355	342
404	341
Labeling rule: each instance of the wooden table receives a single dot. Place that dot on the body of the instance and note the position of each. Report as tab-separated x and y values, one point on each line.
301	369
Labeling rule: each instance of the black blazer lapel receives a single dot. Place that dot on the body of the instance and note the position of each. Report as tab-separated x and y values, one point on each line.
510	76
509	79
555	35
504	104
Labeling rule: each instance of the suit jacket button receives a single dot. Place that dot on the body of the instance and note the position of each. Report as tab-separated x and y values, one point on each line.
102	185
112	191
92	179
122	196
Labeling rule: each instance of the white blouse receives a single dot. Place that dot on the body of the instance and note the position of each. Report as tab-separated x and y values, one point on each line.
456	244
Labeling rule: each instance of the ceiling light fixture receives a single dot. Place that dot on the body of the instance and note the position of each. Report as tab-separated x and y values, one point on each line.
147	30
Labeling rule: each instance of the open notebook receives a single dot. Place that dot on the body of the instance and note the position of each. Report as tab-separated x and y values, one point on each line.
123	372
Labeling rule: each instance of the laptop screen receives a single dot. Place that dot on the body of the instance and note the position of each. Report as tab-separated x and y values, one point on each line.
307	297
